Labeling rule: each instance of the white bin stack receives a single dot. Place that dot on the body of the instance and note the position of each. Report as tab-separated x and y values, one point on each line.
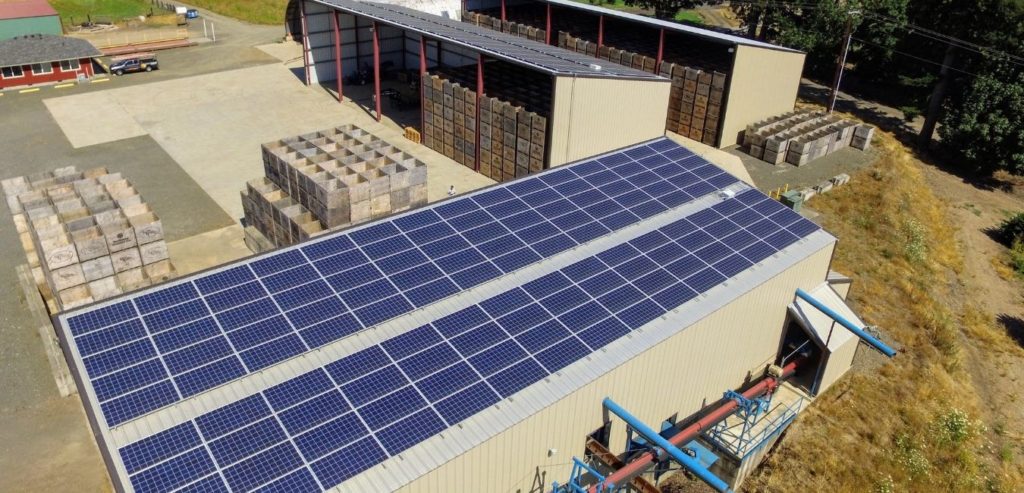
87	235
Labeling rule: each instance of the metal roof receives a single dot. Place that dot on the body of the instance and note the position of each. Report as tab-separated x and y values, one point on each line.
643	241
41	48
24	9
673	26
539	56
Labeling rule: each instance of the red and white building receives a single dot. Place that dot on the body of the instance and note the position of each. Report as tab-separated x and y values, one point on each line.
43	59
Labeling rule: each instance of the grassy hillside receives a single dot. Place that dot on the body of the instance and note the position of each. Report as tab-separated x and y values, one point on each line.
255	11
913	423
114	9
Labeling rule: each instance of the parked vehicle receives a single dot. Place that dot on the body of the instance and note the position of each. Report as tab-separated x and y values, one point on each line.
138	62
191	14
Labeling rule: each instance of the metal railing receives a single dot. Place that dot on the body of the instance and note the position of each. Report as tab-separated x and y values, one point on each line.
740	443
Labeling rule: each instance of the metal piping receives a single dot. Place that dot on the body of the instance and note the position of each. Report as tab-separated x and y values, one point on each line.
652	436
645	460
859	332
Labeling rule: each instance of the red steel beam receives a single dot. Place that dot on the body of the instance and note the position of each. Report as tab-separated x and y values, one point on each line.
423	71
547	25
645	460
503	10
600	31
376	67
337	51
305	40
479	94
661	51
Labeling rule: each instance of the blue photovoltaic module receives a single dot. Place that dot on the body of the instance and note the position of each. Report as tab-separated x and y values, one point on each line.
164	345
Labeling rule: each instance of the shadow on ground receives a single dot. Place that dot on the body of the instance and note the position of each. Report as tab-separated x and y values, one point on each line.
1014	327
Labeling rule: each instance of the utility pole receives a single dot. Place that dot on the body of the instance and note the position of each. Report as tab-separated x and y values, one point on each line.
844	49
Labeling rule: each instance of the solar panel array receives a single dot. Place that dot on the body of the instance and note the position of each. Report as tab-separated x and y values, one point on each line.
170	343
318	429
500	45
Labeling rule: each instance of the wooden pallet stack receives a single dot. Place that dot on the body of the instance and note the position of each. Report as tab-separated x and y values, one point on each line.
695	101
512	139
800	137
88	235
496	24
329	180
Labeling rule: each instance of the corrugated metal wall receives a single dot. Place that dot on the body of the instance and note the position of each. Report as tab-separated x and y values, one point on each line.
591	116
397	47
682	374
763	83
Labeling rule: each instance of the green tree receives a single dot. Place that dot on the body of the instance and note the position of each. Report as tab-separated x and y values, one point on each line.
984	128
667	9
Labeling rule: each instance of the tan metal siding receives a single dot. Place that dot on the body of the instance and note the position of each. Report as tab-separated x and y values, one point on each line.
763	83
592	116
685	372
839	362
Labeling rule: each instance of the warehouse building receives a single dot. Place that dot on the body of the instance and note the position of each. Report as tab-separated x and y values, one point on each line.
463	346
42	58
486	99
23	17
752	69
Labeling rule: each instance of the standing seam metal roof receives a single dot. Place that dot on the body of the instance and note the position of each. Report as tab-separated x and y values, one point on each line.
550	59
674	26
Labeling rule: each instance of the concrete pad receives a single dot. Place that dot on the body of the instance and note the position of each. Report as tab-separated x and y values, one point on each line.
209	249
728	162
286	52
212	126
93	118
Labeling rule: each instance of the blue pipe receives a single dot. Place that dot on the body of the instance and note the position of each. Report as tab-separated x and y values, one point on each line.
868	338
653	437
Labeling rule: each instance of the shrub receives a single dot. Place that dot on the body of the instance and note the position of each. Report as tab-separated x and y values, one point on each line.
1011	229
1017	255
910	112
914	248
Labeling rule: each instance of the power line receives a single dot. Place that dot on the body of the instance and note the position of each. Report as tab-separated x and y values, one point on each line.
933	62
945	38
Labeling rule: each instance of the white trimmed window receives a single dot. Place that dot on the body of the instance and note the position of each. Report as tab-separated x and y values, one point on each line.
69	65
12	72
42	68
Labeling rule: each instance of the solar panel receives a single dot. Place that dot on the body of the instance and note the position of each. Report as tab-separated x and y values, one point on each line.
508	47
152	349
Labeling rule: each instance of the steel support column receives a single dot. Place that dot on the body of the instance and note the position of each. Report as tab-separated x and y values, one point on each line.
305	40
661	51
337	51
423	71
600	31
376	67
479	94
503	10
547	25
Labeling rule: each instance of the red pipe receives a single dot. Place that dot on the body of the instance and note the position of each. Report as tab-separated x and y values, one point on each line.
479	94
337	52
547	26
645	460
503	10
305	40
376	66
661	51
600	31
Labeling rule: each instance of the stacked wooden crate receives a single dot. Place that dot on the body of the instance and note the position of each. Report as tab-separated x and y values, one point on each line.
87	235
803	136
496	24
512	139
695	102
605	52
328	180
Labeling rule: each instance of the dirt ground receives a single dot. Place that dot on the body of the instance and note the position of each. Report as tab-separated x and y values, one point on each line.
997	371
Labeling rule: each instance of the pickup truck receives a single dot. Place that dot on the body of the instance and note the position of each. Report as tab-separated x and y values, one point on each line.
134	63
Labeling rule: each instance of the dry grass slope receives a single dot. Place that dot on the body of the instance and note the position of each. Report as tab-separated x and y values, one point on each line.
909	424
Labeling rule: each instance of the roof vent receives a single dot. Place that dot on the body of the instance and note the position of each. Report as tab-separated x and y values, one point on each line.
595	66
726	194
